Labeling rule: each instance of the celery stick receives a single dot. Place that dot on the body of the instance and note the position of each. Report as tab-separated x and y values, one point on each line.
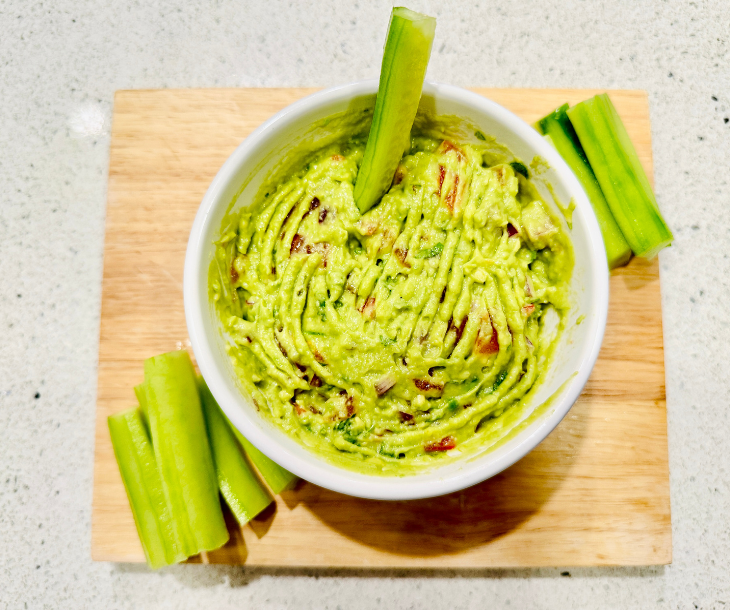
618	170
277	478
557	126
240	487
139	392
142	481
183	453
405	57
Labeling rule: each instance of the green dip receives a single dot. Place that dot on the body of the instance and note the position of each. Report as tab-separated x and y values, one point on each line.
413	334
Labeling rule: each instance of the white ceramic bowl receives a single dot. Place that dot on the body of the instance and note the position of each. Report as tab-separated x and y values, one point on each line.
260	154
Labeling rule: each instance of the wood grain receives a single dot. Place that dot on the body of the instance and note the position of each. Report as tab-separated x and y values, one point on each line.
595	492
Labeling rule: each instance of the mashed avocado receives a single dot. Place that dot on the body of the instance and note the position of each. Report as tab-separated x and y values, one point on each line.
393	340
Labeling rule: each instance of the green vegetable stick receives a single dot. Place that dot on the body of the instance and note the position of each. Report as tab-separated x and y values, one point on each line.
240	487
183	453
277	478
405	57
142	481
620	174
564	139
139	392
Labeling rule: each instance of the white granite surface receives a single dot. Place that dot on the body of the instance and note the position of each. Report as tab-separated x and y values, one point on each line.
60	63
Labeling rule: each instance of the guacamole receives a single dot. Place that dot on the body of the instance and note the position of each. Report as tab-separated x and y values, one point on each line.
393	340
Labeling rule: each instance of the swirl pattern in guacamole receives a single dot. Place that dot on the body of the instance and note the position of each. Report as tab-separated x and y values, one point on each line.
388	340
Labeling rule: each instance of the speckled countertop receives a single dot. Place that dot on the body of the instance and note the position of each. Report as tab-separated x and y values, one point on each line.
60	63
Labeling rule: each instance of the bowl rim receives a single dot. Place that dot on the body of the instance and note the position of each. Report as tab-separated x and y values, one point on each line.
348	481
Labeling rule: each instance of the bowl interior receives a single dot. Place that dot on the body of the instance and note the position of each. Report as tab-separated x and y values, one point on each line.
269	152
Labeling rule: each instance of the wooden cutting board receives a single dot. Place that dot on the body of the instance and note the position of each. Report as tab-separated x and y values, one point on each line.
595	492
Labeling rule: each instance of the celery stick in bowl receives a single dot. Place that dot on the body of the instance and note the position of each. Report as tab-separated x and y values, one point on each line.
407	49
